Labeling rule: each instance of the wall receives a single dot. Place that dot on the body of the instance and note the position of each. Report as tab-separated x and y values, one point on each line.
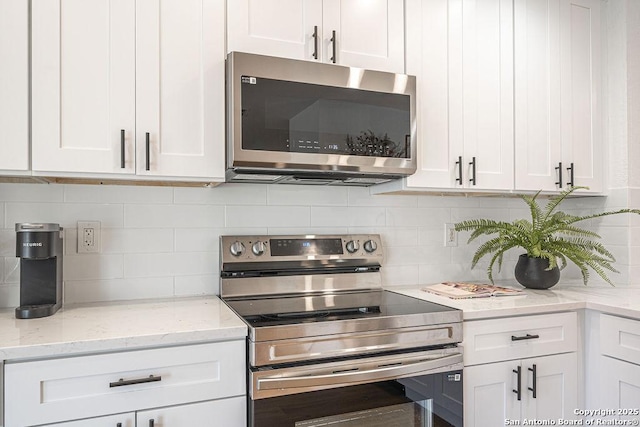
162	242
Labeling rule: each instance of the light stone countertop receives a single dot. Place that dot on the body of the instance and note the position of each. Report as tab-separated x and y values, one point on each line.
619	301
116	326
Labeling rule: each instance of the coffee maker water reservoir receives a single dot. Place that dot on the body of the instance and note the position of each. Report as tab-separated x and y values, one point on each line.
40	248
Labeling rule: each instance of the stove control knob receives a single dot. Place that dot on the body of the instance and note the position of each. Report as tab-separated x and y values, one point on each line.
258	248
237	248
352	246
370	246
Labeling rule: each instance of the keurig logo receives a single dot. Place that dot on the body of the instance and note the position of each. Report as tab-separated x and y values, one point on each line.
31	244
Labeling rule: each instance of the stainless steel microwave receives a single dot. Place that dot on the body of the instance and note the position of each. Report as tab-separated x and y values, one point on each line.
292	121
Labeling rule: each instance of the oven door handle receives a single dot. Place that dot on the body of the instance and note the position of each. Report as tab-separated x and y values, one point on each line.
347	377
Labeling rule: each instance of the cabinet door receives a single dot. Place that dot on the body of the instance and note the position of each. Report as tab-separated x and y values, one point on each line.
217	413
180	88
556	387
83	85
429	25
582	143
121	420
538	140
368	34
14	85
619	385
489	397
464	64
281	28
481	90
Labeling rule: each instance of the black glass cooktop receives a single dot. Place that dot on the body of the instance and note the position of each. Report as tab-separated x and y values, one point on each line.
265	312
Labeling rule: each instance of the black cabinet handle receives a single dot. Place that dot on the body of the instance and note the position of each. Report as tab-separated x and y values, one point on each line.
559	169
147	150
570	169
151	423
122	148
526	337
459	164
119	425
333	46
535	380
518	391
121	382
315	42
473	171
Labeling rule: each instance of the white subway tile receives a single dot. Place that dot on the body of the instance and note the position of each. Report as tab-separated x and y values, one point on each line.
197	263
420	217
11	270
458	214
173	216
430	274
117	194
137	240
308	230
306	195
431	237
31	193
9	296
349	216
224	194
267	216
170	264
117	289
7	242
615	236
398	275
361	196
198	239
403	255
197	285
92	267
65	214
448	201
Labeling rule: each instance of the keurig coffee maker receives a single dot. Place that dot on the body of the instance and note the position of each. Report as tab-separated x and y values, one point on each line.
39	247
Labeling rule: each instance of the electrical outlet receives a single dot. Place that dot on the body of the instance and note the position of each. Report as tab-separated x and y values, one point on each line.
450	235
88	237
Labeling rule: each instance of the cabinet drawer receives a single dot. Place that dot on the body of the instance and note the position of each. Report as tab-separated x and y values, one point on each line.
509	338
70	388
620	338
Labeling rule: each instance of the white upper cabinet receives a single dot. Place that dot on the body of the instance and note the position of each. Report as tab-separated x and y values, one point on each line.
462	55
180	128
108	72
557	95
348	32
83	86
14	85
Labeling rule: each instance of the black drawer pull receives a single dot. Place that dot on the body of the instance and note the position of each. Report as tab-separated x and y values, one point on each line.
526	337
121	382
147	151
518	390
534	389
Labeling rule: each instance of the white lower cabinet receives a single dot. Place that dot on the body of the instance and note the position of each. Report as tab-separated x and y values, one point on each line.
541	388
619	366
520	368
200	384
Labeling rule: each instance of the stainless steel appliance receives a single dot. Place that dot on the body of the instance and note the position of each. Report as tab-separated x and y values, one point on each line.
302	122
40	249
327	345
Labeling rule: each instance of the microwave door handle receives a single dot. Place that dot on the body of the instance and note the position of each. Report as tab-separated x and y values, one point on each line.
338	378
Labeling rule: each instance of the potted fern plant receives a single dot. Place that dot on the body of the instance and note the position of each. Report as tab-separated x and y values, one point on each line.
550	238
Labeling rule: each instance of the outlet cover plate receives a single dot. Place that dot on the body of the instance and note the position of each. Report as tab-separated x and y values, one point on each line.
89	237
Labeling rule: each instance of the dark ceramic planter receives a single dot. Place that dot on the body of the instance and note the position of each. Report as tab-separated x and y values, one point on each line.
531	273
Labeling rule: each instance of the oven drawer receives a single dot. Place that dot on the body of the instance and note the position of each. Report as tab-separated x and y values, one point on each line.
487	341
47	391
620	338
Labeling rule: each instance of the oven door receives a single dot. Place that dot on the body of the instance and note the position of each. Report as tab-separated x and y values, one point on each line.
406	390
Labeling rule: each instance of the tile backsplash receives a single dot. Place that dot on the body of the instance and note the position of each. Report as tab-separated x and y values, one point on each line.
162	242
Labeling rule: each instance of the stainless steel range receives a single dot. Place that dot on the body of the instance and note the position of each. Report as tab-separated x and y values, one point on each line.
327	345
